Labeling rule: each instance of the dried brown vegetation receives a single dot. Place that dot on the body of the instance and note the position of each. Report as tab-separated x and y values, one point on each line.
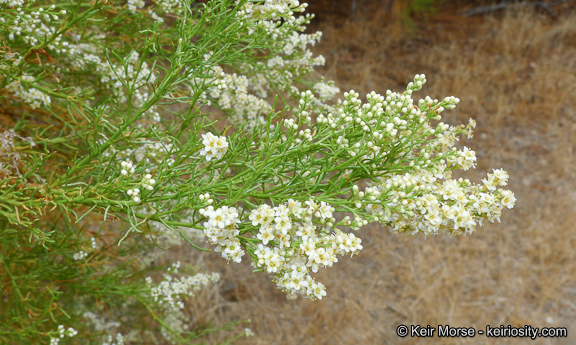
515	73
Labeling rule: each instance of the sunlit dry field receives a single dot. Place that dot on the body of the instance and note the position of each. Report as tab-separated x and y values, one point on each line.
515	73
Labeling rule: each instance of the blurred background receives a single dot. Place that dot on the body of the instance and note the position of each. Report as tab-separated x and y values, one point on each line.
514	68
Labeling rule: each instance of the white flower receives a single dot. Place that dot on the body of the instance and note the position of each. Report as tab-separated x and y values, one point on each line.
213	146
171	289
325	210
308	245
282	225
266	234
316	290
508	199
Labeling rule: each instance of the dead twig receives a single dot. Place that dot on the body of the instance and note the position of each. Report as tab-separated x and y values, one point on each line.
506	5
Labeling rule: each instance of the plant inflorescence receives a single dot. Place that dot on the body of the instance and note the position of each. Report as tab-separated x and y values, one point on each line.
137	127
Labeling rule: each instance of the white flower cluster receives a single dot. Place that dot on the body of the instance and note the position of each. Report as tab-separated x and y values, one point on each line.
326	91
426	203
33	27
177	321
221	230
231	91
134	5
293	243
294	58
30	96
70	332
148	182
173	315
171	6
80	255
119	340
127	168
100	322
135	194
12	3
214	147
10	59
171	289
82	55
271	9
289	60
422	197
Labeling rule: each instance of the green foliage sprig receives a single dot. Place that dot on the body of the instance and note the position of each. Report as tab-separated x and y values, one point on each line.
137	128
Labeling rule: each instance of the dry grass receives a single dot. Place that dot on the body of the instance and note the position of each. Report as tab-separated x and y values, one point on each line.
516	75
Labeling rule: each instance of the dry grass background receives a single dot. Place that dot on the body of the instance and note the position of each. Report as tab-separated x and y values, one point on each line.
515	73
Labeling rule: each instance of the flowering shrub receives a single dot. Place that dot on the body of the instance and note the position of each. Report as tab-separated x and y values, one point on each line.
137	127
